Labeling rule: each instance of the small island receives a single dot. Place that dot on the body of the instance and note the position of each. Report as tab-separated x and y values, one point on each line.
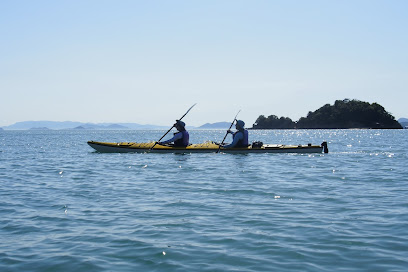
343	114
218	125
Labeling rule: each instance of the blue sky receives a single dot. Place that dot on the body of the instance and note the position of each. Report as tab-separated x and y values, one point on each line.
148	61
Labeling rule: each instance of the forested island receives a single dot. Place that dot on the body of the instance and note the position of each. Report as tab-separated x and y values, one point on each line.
343	114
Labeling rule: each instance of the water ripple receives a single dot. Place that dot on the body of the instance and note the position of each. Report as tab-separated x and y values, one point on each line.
64	207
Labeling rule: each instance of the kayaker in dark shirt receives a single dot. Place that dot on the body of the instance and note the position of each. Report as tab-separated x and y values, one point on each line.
180	138
240	137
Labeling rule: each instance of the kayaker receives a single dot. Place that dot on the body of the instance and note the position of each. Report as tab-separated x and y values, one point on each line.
240	137
180	138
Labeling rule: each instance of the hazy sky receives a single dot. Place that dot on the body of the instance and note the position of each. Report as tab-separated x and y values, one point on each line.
147	62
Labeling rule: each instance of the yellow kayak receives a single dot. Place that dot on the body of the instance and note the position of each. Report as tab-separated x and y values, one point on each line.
208	147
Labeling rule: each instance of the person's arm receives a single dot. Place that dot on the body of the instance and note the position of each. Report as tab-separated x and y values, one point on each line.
176	137
236	139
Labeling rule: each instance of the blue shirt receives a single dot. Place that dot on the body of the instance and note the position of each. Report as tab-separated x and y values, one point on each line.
180	138
239	138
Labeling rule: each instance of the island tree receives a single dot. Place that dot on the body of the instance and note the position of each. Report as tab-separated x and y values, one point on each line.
343	114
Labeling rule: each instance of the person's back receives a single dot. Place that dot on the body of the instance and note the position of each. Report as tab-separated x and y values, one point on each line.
184	141
240	137
242	140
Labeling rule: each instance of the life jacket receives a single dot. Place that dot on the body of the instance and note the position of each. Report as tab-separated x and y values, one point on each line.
183	141
243	142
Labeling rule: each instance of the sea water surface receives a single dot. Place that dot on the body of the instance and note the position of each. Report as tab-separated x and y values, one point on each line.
65	207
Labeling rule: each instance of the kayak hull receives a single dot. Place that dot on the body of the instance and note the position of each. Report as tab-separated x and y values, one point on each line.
208	147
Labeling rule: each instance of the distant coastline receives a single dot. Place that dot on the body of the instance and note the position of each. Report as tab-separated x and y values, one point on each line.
69	125
343	114
33	125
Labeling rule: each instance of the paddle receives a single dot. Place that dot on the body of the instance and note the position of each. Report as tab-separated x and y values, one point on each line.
232	123
172	127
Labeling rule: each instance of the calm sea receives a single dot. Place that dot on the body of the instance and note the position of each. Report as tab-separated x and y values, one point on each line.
64	207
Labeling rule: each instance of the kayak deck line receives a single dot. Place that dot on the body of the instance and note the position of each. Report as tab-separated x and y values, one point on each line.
124	147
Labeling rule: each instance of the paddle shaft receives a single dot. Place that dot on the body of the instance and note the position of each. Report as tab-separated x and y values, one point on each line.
226	134
172	127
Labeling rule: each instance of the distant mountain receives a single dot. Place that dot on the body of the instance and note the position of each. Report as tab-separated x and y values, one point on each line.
43	124
403	122
139	126
218	125
101	126
55	125
77	125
